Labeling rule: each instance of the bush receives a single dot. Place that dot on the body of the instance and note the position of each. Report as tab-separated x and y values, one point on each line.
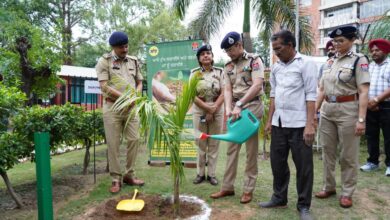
67	124
13	147
12	99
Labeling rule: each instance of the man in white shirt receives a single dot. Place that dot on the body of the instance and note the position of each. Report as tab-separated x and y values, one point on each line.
293	82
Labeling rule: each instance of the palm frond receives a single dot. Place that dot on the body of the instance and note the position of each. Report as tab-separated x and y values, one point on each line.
380	28
211	17
162	131
270	13
180	7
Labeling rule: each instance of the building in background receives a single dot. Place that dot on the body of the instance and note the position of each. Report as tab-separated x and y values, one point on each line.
73	89
326	15
336	13
310	9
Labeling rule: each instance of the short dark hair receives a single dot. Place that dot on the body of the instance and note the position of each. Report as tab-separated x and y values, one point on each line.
286	36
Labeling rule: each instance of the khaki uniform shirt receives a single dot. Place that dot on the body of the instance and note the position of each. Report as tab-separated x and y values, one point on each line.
337	79
240	74
210	85
119	73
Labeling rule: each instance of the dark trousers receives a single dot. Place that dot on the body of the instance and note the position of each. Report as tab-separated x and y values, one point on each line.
282	140
375	121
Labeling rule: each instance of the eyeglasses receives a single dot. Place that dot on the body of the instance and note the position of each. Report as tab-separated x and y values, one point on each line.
339	41
230	49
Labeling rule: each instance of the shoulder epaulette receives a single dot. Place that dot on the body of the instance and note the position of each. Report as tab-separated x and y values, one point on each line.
107	55
228	63
196	69
132	57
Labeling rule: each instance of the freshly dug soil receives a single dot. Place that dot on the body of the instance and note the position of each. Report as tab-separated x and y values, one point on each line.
156	207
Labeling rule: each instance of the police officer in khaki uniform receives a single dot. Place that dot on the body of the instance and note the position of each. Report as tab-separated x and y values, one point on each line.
344	87
208	113
244	76
116	71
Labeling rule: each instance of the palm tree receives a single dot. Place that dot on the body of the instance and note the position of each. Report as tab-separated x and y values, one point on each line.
379	29
270	15
164	131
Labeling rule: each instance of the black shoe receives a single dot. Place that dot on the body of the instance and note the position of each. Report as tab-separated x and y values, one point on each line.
198	179
304	214
213	181
273	204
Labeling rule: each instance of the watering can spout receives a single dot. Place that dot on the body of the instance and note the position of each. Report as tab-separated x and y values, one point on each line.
238	131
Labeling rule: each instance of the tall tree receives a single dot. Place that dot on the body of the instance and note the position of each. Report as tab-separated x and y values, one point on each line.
58	18
270	15
27	57
144	20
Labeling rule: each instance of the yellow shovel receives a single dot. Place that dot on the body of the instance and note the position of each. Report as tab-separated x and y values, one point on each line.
131	205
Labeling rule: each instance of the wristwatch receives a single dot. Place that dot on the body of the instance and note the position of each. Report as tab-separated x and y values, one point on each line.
239	104
361	120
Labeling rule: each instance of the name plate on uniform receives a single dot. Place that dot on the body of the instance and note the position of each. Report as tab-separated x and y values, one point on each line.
92	87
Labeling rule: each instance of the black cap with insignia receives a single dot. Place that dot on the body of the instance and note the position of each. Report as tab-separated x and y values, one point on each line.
230	39
206	47
343	31
118	38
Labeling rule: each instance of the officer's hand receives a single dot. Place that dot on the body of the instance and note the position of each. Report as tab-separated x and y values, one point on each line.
372	104
209	118
308	135
212	109
236	113
268	127
228	113
360	128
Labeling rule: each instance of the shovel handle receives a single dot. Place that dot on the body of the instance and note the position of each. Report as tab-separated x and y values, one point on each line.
135	193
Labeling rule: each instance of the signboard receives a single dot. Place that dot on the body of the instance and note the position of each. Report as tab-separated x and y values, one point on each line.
92	87
169	65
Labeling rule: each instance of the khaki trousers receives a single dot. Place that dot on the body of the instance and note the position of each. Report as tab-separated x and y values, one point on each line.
233	152
337	129
207	149
115	128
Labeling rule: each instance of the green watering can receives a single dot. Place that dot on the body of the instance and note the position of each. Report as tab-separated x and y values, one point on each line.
238	131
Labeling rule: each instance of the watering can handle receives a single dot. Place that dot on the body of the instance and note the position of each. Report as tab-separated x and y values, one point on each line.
230	119
135	193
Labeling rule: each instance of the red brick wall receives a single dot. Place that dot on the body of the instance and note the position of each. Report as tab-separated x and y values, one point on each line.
313	11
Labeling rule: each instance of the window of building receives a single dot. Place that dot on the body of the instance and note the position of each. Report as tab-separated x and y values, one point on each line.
339	12
374	8
305	2
77	95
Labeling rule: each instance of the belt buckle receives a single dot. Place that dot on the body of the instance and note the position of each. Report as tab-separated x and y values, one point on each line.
332	98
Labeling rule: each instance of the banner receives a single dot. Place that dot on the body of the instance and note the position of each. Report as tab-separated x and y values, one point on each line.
169	65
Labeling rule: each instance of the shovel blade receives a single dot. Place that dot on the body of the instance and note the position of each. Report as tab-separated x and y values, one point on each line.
130	205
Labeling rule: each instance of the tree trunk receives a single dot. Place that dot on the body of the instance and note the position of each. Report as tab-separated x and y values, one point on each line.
22	46
246	39
246	36
176	198
87	155
11	191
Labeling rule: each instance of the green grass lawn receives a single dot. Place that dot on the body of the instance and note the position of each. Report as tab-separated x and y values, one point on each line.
371	200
